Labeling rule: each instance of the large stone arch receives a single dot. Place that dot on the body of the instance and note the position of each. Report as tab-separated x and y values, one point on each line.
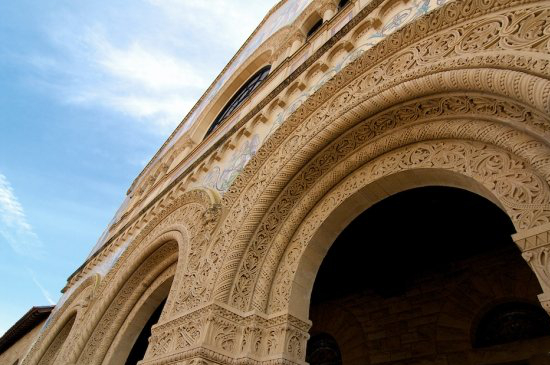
439	64
173	236
474	166
134	322
161	251
432	82
57	328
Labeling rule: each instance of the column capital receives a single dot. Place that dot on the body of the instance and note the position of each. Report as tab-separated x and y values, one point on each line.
531	239
217	333
534	244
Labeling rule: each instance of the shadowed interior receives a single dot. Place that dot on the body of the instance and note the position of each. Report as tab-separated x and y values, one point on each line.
395	273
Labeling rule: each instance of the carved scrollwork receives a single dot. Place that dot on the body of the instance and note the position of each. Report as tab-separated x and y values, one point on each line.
539	260
319	115
485	164
464	89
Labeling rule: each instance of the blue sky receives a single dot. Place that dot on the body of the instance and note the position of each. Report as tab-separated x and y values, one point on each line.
89	90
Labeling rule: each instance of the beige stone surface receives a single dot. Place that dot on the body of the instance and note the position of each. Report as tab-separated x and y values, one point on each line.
457	97
17	351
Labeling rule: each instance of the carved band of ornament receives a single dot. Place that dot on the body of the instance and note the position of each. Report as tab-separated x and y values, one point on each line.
481	78
435	48
150	219
535	247
533	238
235	335
525	201
96	334
489	166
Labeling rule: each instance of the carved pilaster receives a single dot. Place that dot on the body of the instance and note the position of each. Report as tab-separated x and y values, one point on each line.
296	39
535	249
328	8
216	333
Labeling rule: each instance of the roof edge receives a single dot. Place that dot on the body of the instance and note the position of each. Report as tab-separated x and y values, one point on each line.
24	325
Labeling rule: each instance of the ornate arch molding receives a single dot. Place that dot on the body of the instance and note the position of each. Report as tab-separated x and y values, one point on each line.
524	123
474	165
100	330
169	237
175	234
155	293
439	64
75	306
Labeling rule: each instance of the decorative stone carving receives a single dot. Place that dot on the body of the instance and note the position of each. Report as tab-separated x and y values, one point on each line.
229	335
322	114
464	90
454	155
535	247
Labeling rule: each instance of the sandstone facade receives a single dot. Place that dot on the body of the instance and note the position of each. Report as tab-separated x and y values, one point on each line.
230	228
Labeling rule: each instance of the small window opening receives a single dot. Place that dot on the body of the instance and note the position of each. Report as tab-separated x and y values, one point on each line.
240	96
510	322
314	28
342	4
322	349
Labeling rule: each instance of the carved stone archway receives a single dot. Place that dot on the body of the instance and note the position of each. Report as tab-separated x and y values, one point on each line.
459	97
450	101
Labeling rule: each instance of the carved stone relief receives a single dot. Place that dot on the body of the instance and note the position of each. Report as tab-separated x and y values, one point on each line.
464	90
323	116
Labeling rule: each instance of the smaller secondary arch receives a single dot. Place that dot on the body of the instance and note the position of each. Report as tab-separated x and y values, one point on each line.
54	349
125	341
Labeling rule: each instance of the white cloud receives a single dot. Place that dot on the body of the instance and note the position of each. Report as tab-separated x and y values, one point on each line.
43	290
151	62
141	81
218	20
14	227
146	67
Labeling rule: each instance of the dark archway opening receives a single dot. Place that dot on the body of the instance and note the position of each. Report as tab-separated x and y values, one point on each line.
140	346
409	234
413	271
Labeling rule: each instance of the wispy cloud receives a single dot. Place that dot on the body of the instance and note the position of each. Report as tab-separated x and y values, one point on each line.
141	81
43	290
219	21
153	71
14	228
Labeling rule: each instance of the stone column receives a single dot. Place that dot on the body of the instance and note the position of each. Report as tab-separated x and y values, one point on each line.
535	248
218	334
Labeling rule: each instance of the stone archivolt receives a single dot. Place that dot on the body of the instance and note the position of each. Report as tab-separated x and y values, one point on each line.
360	93
459	97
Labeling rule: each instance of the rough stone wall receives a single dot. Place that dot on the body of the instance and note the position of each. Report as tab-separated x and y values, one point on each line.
20	348
433	322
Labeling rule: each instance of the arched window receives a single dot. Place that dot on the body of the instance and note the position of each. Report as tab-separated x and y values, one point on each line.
240	96
322	349
509	322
